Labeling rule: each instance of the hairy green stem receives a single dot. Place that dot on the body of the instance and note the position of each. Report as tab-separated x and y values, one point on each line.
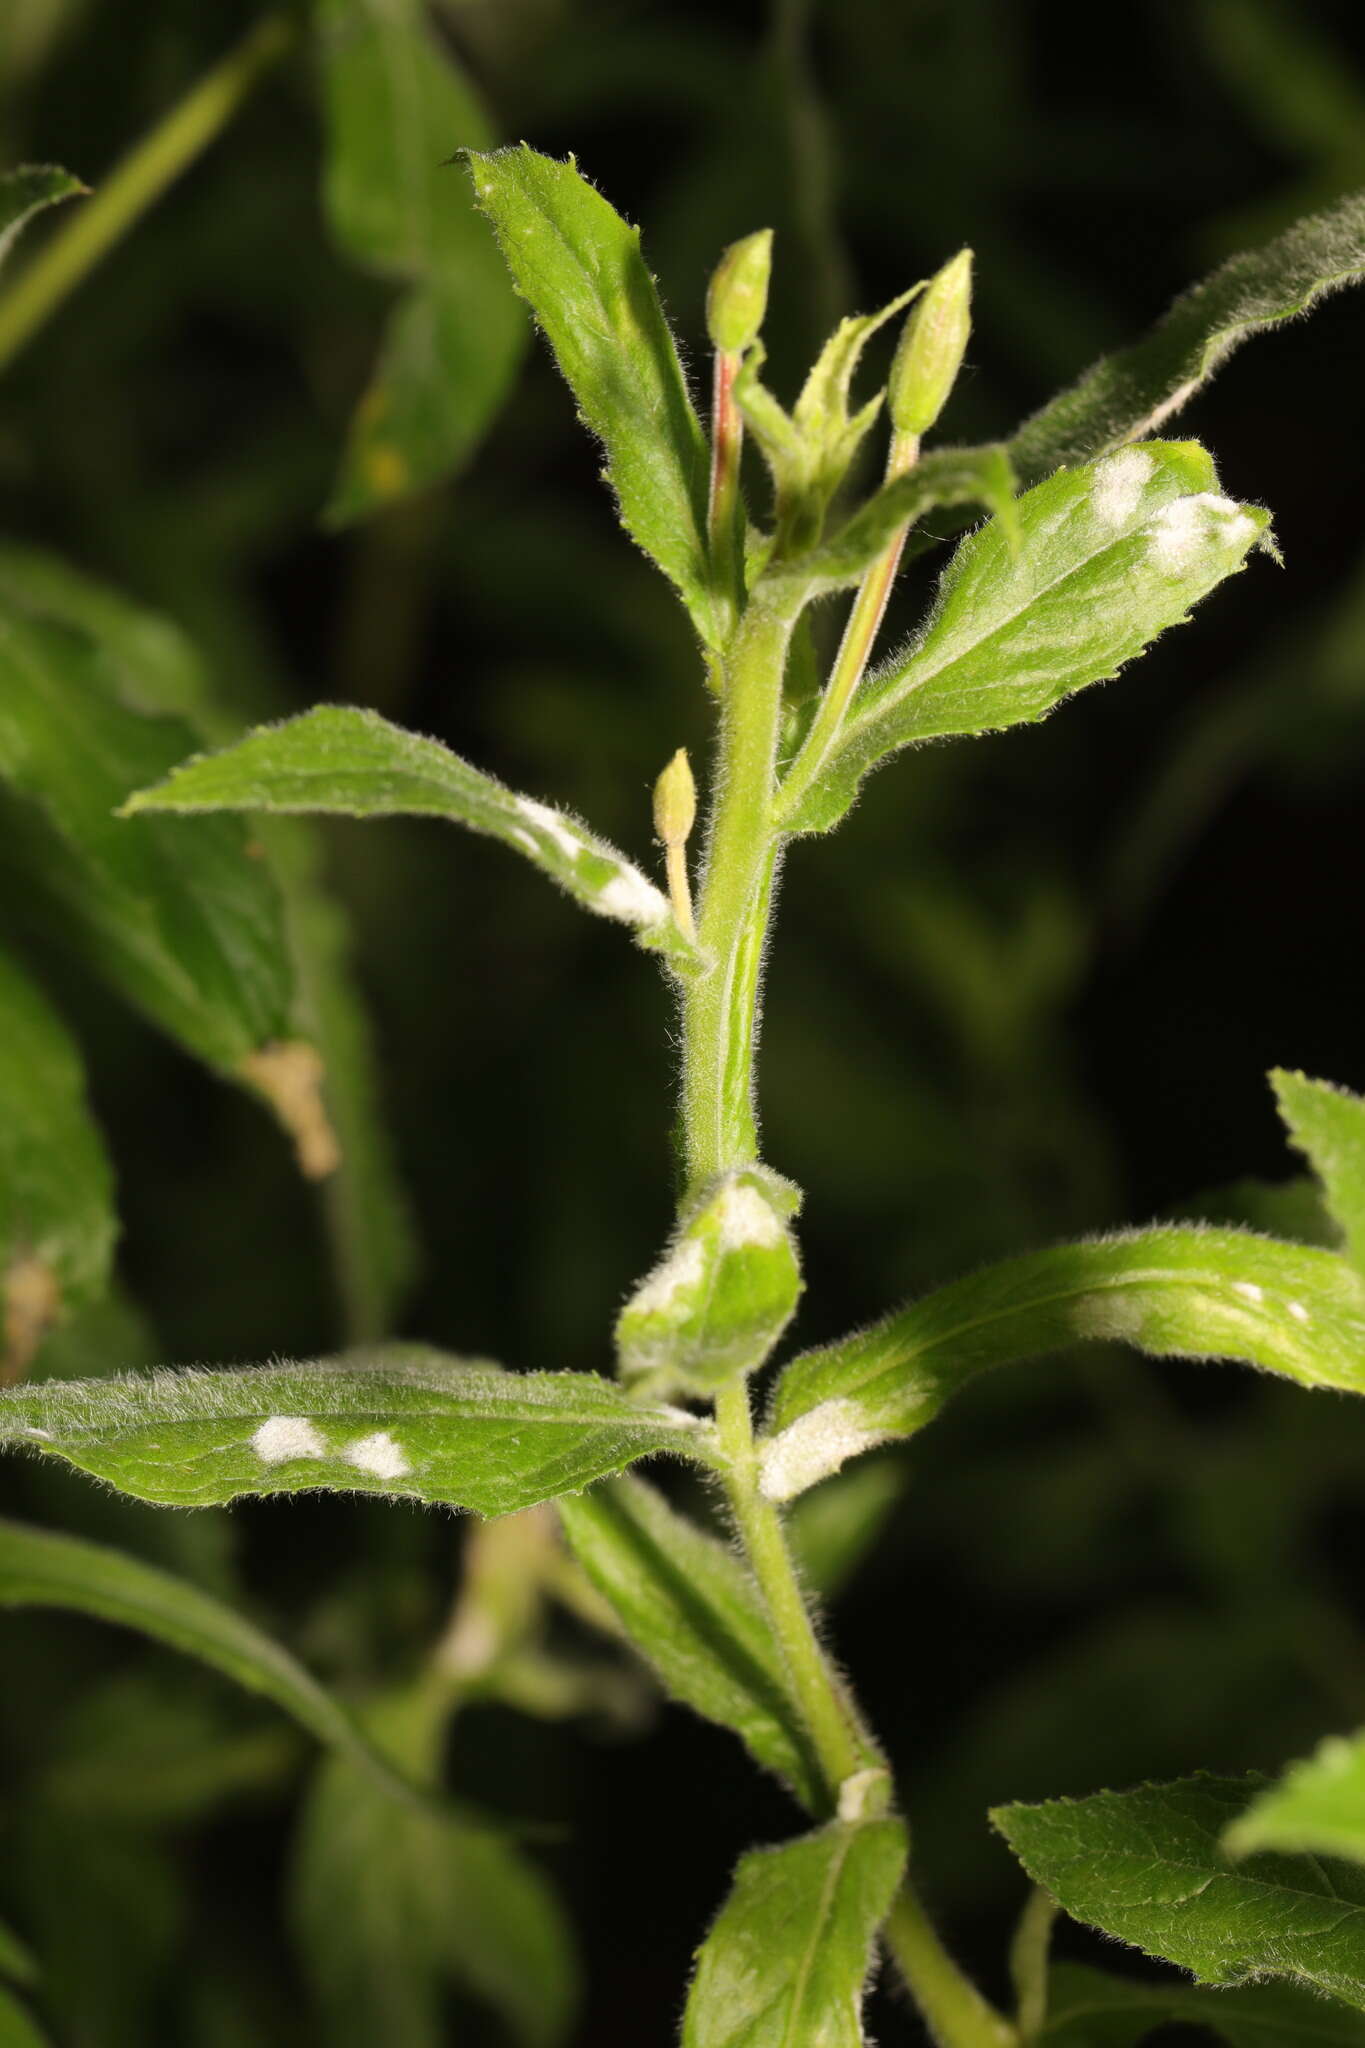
155	162
956	2013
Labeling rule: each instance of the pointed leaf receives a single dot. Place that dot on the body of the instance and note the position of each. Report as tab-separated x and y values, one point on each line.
1175	1293
694	1612
26	191
579	266
396	106
948	476
1088	2009
404	1421
1316	1809
57	1224
44	1568
1328	1126
789	1957
1108	557
1135	391
1149	1868
357	765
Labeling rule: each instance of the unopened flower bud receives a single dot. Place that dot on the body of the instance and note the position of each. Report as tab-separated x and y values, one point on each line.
931	348
738	297
675	801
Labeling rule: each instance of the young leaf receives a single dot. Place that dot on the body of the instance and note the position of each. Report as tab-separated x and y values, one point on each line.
718	1302
1174	1293
1089	2009
392	1904
57	1224
579	266
1133	392
356	764
1328	1126
26	191
396	106
402	1420
1149	1868
694	1612
187	926
44	1568
947	476
788	1959
1316	1809
1107	558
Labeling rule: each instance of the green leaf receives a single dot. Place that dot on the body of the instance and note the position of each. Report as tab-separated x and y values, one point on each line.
579	266
15	1961
358	765
26	191
17	2026
57	1224
948	476
396	106
718	1302
44	1568
1316	1809
1328	1126
1149	1867
1134	391
1107	558
391	1904
834	1527
404	1421
187	926
694	1612
1088	2009
788	1959
1174	1293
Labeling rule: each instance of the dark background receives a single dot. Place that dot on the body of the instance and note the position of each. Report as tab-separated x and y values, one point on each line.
1032	987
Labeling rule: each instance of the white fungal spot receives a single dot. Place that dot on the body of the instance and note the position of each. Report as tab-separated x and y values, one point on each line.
552	825
525	841
44	1434
856	1793
1248	1290
285	1437
1299	1312
1118	486
682	1269
1185	526
747	1221
378	1454
813	1447
633	899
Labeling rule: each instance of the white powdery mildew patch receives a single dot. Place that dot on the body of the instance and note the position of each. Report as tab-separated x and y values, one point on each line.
43	1435
680	1270
629	896
1299	1312
552	825
813	1447
284	1437
748	1222
1248	1290
1118	486
377	1454
1187	525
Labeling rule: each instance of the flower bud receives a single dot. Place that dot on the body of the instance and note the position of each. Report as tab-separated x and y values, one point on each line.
931	348
675	801
738	297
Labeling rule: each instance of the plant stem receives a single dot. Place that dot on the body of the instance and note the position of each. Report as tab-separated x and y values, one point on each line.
727	440
956	2013
136	183
840	1748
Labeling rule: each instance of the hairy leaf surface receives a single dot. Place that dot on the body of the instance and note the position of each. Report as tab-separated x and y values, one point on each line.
1088	2009
396	106
57	1224
1149	1867
1132	392
694	1611
1107	557
1328	1126
358	765
1175	1293
579	267
1317	1808
402	1420
789	1956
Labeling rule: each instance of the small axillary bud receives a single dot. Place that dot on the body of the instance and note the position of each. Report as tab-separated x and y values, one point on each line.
931	349
738	296
675	813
